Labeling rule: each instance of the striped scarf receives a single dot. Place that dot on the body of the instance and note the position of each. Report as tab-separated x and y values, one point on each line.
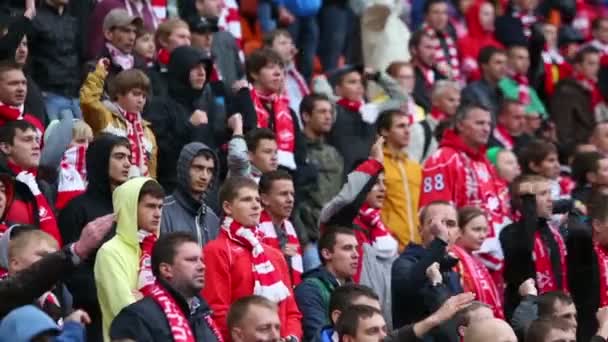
545	278
267	280
271	237
448	55
523	85
527	20
602	265
556	68
72	175
135	134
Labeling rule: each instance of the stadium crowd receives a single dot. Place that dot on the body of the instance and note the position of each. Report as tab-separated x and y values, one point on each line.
303	170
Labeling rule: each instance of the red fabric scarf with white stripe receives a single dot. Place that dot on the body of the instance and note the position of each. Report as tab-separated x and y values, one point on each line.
527	20
267	280
270	237
477	279
503	136
72	175
284	127
590	86
302	86
602	264
545	278
523	94
12	113
135	134
556	68
352	106
451	58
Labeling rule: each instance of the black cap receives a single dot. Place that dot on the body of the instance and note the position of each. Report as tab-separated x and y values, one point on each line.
203	25
568	34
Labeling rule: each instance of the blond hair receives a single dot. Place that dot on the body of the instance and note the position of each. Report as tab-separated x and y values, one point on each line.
164	29
26	238
82	130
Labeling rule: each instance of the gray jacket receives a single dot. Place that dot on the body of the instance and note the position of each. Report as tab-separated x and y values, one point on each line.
181	211
227	58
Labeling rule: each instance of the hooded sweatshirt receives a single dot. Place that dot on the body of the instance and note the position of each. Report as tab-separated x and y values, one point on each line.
183	212
117	265
94	203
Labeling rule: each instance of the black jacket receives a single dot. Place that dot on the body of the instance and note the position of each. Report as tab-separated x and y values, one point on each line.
517	240
94	203
422	91
351	136
483	93
54	50
170	115
414	298
145	321
570	109
584	281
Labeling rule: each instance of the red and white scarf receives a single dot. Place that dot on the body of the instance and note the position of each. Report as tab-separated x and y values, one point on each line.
502	135
555	67
352	106
270	237
590	86
284	127
267	280
135	134
146	279
124	60
602	264
436	114
451	58
477	279
12	113
545	278
72	175
377	235
297	77
523	92
527	20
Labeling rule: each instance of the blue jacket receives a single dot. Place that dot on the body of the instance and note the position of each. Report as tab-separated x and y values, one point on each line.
312	296
300	8
414	298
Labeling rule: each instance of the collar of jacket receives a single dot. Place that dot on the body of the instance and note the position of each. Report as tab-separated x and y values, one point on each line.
187	201
314	143
200	309
391	153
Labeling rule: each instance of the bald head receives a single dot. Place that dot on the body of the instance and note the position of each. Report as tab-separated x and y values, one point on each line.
492	329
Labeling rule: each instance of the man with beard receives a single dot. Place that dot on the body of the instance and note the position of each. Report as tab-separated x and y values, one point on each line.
174	306
107	164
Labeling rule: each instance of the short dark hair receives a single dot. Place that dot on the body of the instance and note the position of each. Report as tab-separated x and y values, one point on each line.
348	323
269	37
329	236
309	101
268	179
463	111
416	38
595	24
253	137
425	210
535	152
506	103
540	328
151	188
386	118
546	303
598	206
9	65
487	52
583	53
230	189
9	130
344	296
127	80
165	248
463	316
429	3
583	163
240	308
467	214
393	68
260	58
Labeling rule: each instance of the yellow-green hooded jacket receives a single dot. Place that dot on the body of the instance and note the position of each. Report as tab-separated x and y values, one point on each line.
117	261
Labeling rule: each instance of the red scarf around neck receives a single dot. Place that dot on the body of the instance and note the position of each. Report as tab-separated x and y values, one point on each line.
437	114
545	278
351	106
556	68
12	113
451	58
523	88
503	136
602	264
477	279
297	77
163	57
267	279
284	127
270	237
135	134
590	86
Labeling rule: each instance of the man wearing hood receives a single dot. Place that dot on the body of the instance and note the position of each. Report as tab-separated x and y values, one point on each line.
187	114
138	205
185	209
459	172
107	163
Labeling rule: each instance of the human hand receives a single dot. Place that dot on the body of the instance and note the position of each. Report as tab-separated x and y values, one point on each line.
285	17
30	9
526	188
199	117
239	84
377	150
452	305
103	63
92	234
433	274
602	320
290	249
235	123
79	316
528	288
439	229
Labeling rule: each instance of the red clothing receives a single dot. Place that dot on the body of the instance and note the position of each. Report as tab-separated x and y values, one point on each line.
477	38
228	277
463	176
9	113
